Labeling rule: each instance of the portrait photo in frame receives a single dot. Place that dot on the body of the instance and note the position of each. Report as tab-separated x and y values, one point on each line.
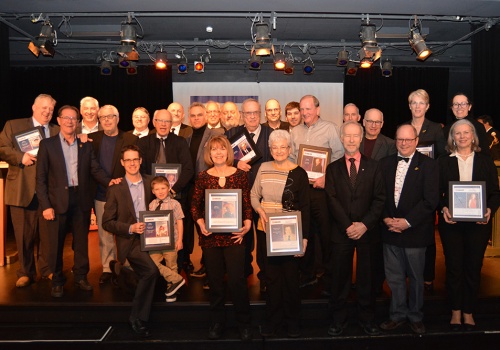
314	160
28	141
426	149
159	231
171	171
223	210
284	233
467	200
244	147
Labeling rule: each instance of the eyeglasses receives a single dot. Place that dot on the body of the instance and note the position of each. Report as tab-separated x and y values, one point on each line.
162	121
107	117
270	110
373	122
69	119
281	148
461	104
251	114
133	160
405	140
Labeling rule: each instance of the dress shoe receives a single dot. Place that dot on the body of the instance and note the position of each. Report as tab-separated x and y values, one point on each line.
140	327
455	327
201	272
308	282
246	334
469	327
293	331
369	328
389	325
48	277
23	281
105	277
417	327
429	287
174	287
215	331
267	331
337	329
84	285
57	291
114	271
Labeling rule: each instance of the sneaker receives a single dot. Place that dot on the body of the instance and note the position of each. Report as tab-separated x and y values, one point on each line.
199	273
174	287
171	299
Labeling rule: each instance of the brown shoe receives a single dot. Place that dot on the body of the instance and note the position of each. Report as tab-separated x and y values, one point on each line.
417	327
389	325
23	281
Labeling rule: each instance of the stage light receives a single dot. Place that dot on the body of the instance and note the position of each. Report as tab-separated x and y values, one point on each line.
386	68
132	69
255	63
123	63
34	49
263	45
369	51
342	58
199	66
365	63
418	45
161	60
44	43
351	69
279	61
132	55
308	67
128	35
106	68
367	34
182	66
289	69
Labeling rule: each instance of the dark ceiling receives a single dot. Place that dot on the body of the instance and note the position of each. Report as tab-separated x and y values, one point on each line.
89	31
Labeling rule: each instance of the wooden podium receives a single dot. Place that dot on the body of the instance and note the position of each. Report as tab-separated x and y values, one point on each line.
494	249
3	212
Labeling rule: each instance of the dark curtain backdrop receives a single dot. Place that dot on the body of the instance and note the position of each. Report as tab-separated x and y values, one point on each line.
150	88
486	73
369	89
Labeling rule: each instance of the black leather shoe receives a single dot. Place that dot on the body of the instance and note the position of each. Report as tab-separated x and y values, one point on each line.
389	325
369	328
246	334
114	271
215	331
267	331
293	331
84	285
140	328
417	327
105	277
337	329
455	327
57	291
469	327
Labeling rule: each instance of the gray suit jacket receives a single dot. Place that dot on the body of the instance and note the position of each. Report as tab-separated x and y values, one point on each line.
384	146
200	164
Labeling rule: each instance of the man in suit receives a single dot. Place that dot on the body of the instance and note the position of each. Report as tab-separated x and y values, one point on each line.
178	127
251	111
140	120
356	196
63	172
107	145
213	115
230	116
412	195
493	135
89	107
273	116
351	112
121	217
375	145
20	188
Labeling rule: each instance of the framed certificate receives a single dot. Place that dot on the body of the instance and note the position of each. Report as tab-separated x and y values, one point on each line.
467	200
284	233
314	160
171	171
159	232
223	210
28	141
244	147
426	149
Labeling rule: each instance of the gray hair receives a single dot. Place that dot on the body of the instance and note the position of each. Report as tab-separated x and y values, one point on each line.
279	135
351	122
452	147
89	99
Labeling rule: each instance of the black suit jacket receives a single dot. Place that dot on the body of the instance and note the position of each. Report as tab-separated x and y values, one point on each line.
432	133
185	131
52	186
177	152
362	203
417	203
262	145
384	146
283	125
480	131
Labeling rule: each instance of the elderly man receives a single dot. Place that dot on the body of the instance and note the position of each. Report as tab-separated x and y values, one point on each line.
89	107
356	197
178	127
230	116
20	188
273	116
351	112
375	145
213	114
292	113
412	195
316	132
140	120
107	145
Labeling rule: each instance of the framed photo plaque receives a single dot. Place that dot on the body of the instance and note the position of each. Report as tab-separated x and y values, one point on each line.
28	141
284	233
159	232
223	210
171	171
314	160
244	147
467	200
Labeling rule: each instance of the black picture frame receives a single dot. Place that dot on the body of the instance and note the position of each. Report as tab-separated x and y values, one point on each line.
171	171
154	236
467	200
28	141
284	234
307	159
244	148
223	210
427	149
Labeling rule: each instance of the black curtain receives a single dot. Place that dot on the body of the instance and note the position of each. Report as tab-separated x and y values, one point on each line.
369	89
150	88
486	73
6	94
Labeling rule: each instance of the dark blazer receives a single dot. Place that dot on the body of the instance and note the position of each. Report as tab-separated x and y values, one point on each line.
79	127
432	133
480	131
185	130
52	180
262	145
283	125
200	164
151	131
20	183
495	149
483	169
384	146
119	214
177	152
417	203
362	203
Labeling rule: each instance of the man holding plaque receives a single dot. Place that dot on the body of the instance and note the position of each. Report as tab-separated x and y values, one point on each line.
356	196
20	187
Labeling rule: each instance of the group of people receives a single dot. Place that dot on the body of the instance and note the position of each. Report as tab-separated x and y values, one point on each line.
373	195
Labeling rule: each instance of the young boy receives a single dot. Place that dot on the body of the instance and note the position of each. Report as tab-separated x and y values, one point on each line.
161	189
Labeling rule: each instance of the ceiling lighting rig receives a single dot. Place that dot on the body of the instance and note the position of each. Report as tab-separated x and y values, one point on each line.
45	41
417	42
370	51
262	37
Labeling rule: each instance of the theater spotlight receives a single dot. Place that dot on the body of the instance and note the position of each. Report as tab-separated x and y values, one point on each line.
161	60
279	61
351	69
123	63
255	62
342	58
386	68
369	51
289	69
182	66
128	34
199	66
418	44
262	40
106	68
44	43
132	69
365	63
308	67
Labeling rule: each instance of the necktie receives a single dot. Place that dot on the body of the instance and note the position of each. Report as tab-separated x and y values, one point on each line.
161	156
352	172
172	130
158	207
44	129
406	159
252	135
